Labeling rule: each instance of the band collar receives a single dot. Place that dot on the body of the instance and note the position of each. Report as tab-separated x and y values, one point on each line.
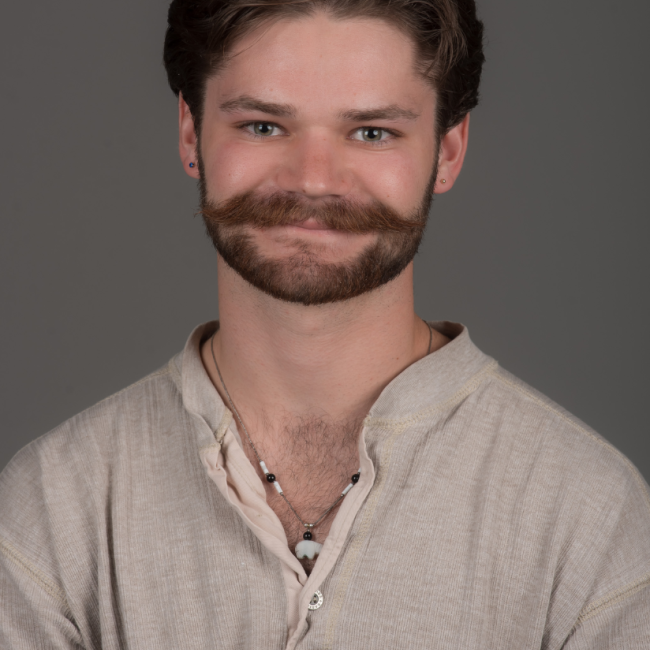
424	386
433	381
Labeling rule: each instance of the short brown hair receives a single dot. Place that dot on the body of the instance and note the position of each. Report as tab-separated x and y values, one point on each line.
448	38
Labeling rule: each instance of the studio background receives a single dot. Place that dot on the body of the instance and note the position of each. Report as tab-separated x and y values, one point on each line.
541	248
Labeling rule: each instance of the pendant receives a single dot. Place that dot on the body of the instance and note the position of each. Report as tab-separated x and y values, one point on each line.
307	548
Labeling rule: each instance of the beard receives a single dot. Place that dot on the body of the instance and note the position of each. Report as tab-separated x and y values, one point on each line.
302	277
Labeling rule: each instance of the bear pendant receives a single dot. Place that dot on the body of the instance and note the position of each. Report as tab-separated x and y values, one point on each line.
307	548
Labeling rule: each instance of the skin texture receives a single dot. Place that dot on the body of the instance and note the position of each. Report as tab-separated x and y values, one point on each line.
303	377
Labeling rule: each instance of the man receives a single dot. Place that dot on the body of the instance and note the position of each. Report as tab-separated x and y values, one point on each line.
322	468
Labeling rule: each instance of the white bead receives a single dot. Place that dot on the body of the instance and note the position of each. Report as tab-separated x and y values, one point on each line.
263	466
277	487
347	489
308	548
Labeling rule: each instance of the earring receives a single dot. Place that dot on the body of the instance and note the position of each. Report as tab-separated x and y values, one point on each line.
442	180
192	165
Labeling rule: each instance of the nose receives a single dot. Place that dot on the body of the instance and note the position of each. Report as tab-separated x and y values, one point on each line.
314	166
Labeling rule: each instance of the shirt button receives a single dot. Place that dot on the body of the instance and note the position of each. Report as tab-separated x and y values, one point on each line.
316	600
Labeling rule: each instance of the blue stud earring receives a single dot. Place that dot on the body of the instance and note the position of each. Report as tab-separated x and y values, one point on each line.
191	164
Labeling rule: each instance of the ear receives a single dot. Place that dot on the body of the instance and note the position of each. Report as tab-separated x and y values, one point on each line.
452	154
187	138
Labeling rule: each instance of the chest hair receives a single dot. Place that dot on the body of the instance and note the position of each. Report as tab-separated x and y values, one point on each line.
313	459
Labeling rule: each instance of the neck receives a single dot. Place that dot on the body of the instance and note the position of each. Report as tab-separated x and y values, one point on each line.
330	361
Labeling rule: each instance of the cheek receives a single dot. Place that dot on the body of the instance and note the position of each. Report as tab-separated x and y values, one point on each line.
396	178
235	167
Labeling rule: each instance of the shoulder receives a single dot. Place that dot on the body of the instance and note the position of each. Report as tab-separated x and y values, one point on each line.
60	494
578	500
99	428
554	435
67	472
577	483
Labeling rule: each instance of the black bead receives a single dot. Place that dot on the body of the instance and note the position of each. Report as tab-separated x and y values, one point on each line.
307	535
270	478
355	477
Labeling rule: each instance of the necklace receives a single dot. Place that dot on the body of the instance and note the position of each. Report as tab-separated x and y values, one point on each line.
307	548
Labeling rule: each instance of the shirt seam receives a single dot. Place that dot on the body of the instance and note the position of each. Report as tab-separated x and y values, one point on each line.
469	387
219	435
583	430
14	555
174	372
161	372
613	598
222	429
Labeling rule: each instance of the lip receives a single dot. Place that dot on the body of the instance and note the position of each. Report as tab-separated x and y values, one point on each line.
311	224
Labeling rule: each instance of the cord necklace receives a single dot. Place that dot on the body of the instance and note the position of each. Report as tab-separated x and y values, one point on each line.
307	547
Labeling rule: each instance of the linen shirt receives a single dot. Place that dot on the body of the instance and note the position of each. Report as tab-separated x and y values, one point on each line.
486	517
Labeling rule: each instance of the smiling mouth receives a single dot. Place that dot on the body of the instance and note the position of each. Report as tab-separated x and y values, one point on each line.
311	224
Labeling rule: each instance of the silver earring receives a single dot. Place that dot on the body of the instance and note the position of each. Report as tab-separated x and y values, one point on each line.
442	180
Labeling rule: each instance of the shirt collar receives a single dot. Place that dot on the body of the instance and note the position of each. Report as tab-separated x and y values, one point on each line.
424	386
434	380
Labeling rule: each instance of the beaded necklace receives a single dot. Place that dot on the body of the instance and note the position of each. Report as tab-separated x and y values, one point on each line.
308	547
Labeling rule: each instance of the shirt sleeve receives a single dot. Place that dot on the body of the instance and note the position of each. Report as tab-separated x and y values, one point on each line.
35	609
32	614
621	622
616	613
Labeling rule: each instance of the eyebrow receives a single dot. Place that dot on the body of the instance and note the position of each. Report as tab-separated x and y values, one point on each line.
392	112
248	103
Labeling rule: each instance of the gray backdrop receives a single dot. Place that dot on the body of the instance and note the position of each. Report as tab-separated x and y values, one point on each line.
540	249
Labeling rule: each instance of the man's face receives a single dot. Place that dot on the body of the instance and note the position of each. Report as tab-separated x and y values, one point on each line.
318	157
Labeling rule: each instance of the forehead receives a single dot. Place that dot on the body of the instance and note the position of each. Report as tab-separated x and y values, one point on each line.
321	64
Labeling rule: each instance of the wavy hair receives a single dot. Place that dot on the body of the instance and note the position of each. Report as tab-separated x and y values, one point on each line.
448	38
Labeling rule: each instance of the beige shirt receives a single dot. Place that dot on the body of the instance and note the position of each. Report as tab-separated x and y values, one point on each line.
485	517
